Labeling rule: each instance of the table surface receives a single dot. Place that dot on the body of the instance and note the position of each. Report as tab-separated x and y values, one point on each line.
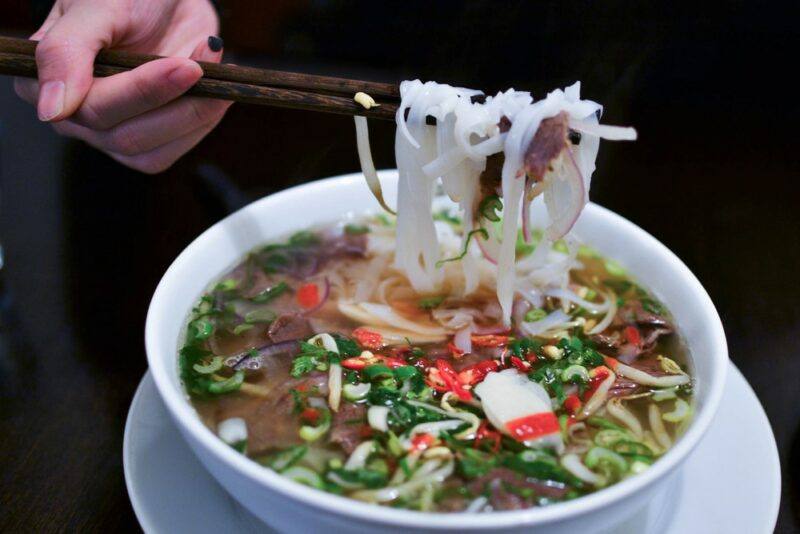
714	176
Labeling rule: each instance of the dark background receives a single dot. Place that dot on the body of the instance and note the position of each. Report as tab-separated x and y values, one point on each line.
714	176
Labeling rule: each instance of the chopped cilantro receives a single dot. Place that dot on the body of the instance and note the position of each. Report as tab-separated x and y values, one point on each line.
347	347
311	357
524	346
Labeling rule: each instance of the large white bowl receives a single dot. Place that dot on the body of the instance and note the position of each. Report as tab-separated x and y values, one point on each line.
292	507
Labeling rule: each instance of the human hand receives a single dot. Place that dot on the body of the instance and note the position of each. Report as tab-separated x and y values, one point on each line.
137	117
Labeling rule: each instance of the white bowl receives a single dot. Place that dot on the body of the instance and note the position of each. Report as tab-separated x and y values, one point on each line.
289	506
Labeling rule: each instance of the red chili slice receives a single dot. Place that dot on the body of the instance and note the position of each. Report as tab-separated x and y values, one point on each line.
572	404
359	362
420	442
632	335
519	364
308	295
310	416
392	363
533	426
450	378
490	340
455	352
367	338
475	373
600	374
434	380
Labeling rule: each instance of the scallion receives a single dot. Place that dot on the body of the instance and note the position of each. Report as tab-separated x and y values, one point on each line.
211	367
227	385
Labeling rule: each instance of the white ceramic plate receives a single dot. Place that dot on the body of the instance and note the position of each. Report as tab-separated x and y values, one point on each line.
172	492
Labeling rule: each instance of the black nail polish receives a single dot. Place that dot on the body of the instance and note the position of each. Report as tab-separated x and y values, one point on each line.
215	43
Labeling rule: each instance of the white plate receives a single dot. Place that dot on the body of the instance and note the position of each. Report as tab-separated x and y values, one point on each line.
731	483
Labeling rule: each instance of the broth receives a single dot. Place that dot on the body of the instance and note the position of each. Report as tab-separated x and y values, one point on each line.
317	358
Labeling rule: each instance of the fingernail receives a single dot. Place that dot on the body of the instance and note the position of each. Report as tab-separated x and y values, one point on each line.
51	100
215	43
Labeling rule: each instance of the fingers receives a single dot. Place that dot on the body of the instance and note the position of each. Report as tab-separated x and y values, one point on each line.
117	98
152	129
161	158
153	138
65	57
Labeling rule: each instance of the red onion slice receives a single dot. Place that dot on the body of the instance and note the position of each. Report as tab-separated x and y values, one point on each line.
485	251
463	339
565	197
490	330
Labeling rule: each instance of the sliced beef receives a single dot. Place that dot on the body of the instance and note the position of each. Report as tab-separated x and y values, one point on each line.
490	179
547	145
502	499
630	352
649	364
633	312
347	245
466	360
610	341
289	327
346	426
623	387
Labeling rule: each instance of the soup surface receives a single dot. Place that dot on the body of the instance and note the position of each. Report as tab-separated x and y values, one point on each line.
315	357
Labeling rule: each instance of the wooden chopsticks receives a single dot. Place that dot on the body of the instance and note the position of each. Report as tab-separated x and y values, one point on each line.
233	82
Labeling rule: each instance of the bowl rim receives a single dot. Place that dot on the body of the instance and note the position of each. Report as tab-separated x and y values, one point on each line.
186	417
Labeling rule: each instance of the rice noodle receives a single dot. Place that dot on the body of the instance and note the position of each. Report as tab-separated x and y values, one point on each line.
556	320
369	313
573	464
619	412
611	298
598	398
456	151
611	133
657	426
645	379
391	493
569	296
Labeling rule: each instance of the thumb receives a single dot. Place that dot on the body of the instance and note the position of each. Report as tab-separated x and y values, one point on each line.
65	59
